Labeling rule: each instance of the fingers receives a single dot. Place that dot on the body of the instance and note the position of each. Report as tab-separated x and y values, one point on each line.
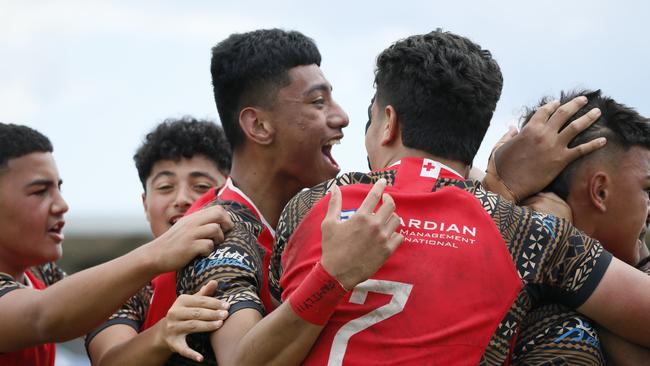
386	209
394	242
334	206
370	202
184	316
587	147
214	214
208	289
543	113
579	125
566	111
210	230
178	343
184	350
202	247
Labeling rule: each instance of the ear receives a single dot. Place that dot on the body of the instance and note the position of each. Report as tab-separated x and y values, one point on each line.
144	204
598	186
391	131
255	124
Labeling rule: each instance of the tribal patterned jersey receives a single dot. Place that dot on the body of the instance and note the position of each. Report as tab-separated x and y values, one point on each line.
553	260
553	334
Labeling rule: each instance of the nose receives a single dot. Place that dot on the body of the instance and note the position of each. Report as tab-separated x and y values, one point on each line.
183	199
59	206
338	118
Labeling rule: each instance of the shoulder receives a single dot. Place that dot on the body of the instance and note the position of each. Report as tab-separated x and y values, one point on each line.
8	283
48	273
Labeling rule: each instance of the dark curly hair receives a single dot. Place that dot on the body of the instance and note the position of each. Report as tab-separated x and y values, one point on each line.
444	89
248	69
621	125
18	140
174	139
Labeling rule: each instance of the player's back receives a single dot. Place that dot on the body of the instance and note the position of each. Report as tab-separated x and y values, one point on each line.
437	300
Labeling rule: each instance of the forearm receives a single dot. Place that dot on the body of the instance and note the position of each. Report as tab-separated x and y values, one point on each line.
70	308
280	338
620	303
112	347
621	352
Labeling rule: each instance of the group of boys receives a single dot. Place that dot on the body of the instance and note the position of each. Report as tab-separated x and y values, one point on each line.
411	263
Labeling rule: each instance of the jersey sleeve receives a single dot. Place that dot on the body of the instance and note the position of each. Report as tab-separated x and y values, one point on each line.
48	273
236	265
132	313
557	262
8	284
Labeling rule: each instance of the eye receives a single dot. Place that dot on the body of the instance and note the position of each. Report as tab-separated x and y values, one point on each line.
40	192
165	187
202	187
319	101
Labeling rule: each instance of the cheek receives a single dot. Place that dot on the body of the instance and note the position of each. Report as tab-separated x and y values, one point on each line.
157	206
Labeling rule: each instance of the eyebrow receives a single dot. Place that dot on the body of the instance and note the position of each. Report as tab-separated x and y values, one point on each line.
164	173
326	87
199	174
44	182
194	174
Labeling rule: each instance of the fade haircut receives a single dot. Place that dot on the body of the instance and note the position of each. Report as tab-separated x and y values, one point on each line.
444	89
174	139
249	68
621	125
17	141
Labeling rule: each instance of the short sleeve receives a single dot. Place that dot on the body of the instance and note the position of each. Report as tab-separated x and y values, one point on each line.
132	313
236	265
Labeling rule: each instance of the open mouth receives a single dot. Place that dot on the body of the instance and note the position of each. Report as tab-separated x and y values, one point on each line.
327	151
174	219
56	231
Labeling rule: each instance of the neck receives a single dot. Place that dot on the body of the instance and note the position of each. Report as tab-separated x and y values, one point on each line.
261	180
404	152
17	272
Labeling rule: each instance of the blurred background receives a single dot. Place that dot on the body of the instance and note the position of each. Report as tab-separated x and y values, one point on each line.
96	76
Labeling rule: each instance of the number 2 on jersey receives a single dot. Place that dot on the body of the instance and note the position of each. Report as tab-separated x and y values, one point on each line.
400	293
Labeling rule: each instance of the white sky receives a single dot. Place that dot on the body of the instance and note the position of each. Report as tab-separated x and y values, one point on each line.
96	76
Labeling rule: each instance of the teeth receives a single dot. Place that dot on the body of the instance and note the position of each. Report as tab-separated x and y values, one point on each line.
333	142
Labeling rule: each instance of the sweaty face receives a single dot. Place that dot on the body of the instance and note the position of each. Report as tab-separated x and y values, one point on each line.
31	211
308	123
627	210
173	186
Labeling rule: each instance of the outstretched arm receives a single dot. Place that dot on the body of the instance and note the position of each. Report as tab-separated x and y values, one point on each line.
73	306
523	163
620	303
352	251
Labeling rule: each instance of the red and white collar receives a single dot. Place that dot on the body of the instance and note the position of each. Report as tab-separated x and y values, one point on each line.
229	188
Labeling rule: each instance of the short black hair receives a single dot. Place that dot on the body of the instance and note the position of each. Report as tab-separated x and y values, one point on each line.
248	69
621	125
444	89
18	140
186	137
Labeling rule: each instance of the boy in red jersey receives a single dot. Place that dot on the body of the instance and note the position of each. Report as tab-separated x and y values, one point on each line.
179	161
279	116
39	306
350	255
472	263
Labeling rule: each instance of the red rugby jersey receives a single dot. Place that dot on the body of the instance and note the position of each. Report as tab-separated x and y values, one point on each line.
40	355
164	285
437	300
